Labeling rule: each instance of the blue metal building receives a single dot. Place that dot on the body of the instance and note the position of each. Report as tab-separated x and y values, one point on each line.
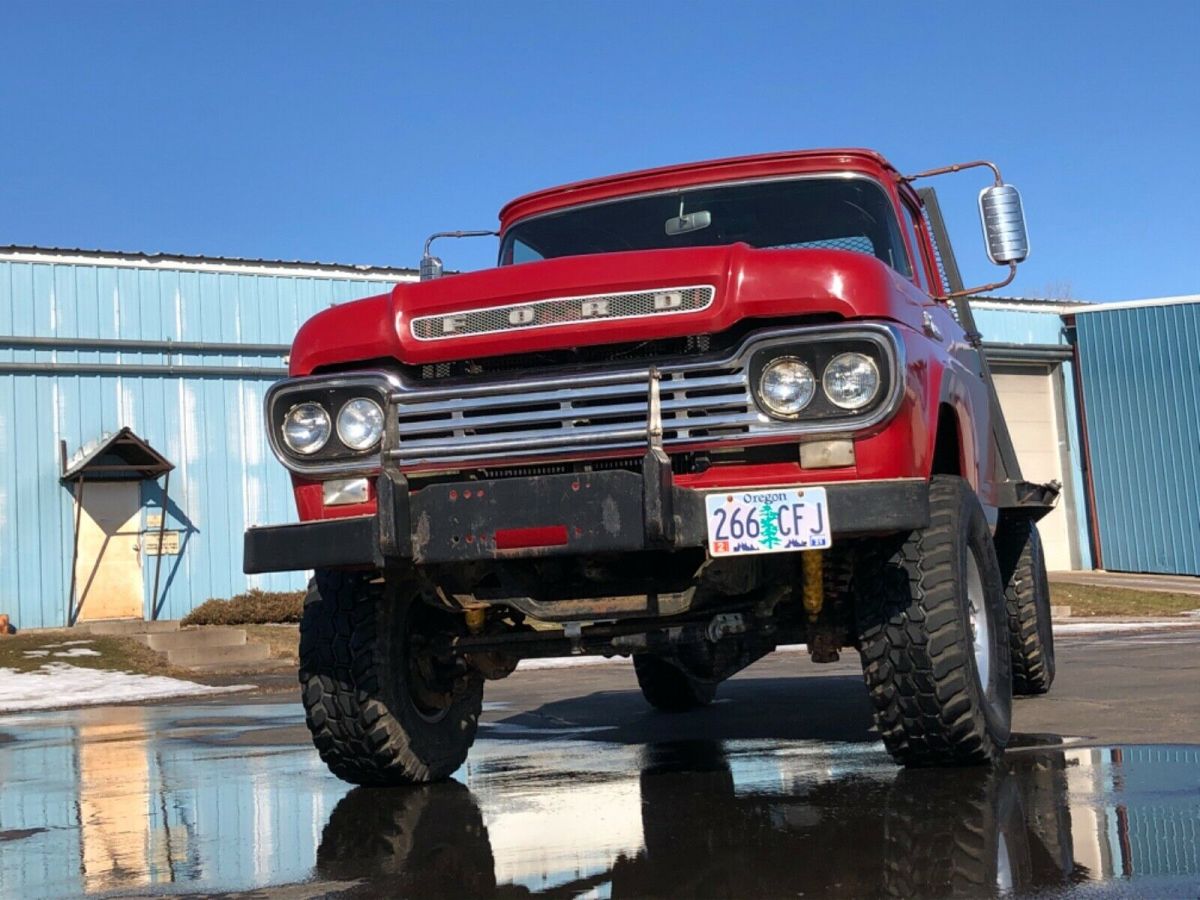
179	350
1140	368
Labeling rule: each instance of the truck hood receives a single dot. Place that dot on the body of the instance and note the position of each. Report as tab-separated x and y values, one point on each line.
745	283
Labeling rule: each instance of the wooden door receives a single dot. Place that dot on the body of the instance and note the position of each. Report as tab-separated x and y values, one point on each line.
108	571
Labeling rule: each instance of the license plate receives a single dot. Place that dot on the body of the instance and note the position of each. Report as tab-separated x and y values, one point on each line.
767	521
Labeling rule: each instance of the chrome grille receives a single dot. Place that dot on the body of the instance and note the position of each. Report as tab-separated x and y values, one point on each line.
562	311
595	413
588	411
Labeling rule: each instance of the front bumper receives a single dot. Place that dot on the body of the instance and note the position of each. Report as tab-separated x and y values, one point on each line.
556	515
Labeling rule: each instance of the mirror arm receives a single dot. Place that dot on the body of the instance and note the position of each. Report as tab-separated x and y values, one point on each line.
456	234
957	167
967	292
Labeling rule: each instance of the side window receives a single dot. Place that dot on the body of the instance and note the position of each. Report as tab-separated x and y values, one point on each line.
899	255
918	251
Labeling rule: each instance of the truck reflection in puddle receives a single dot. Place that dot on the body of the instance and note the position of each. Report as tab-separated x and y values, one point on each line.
746	821
227	797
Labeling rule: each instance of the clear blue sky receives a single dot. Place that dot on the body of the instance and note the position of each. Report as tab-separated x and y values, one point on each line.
347	132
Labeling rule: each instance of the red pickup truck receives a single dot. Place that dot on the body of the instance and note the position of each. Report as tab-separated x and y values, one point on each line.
694	414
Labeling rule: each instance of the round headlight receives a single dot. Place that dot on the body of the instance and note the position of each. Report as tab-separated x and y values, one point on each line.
786	386
360	424
851	380
306	428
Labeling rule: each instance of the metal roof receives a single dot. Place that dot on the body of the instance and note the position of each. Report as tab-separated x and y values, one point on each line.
115	457
1181	300
1030	304
232	264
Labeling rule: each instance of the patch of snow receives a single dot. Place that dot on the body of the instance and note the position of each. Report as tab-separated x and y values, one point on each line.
72	643
77	651
58	685
34	653
1107	627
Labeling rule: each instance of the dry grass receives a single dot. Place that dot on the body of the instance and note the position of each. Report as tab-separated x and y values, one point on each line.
117	652
1091	600
254	607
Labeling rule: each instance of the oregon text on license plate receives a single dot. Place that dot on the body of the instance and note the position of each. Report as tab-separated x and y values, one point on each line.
767	521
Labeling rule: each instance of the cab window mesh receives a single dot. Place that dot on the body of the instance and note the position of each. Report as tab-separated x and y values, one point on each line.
937	251
859	243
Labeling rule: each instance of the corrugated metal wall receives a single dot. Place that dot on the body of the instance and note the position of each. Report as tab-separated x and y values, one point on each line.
209	424
1141	387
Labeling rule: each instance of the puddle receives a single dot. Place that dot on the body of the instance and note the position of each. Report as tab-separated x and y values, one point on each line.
232	798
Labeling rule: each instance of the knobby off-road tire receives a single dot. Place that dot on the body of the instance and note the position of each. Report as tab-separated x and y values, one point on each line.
917	642
668	688
374	717
1027	599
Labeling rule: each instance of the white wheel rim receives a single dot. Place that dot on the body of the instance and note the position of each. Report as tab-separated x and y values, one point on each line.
981	629
1004	876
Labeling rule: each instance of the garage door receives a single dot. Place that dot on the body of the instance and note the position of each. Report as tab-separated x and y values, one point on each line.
1031	406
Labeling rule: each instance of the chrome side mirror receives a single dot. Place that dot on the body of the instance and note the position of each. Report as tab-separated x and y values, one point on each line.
1003	220
431	267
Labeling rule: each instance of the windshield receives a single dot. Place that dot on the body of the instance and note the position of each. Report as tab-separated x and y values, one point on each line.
836	213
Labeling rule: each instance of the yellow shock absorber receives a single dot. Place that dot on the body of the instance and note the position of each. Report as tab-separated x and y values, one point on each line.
476	616
814	582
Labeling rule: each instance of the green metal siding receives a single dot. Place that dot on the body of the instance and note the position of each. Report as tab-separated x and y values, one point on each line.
1141	388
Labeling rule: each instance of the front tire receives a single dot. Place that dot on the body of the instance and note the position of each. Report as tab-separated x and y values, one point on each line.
933	637
382	709
668	688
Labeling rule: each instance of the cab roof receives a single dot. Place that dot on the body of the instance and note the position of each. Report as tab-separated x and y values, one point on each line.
735	168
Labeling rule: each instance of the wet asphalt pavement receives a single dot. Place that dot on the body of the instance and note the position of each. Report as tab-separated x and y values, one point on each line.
575	789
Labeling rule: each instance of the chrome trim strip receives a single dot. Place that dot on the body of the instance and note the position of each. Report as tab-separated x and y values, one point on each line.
581	319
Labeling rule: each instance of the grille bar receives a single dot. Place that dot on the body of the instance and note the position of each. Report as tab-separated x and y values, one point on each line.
414	404
517	386
568	416
597	411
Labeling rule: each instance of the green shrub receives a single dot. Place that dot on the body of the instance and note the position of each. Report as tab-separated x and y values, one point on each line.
254	607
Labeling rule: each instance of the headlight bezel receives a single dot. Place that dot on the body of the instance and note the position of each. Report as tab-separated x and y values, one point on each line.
332	392
817	353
